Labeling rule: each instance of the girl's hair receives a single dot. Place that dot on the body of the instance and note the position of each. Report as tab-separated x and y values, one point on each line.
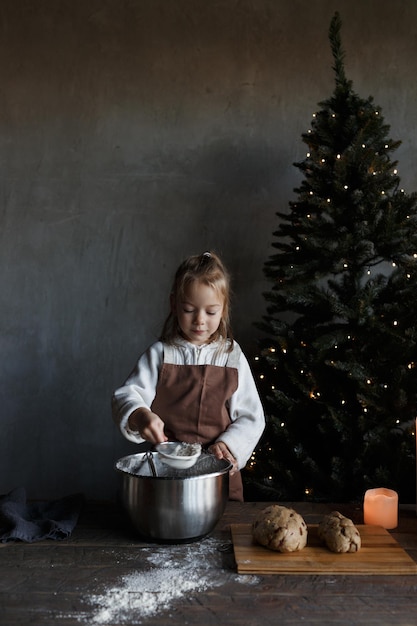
208	269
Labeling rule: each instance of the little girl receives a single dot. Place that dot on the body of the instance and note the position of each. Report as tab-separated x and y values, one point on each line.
195	384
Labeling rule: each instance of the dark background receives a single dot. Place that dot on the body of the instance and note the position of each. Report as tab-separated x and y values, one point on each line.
132	134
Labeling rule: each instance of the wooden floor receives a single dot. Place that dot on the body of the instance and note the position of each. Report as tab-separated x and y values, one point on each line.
104	574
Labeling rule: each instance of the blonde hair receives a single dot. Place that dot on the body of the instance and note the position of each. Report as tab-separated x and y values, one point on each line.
208	269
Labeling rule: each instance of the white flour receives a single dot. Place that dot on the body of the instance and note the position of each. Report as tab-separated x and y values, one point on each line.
174	572
187	449
143	594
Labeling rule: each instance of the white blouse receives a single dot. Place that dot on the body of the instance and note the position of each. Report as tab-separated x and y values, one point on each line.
245	408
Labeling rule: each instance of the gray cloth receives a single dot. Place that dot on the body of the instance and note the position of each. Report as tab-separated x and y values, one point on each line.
35	521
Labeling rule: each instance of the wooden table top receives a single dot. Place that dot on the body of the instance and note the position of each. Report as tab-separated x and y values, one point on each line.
105	574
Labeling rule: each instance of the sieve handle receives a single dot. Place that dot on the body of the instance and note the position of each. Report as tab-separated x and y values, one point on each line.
149	458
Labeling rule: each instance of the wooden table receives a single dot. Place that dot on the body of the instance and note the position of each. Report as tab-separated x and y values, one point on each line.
104	574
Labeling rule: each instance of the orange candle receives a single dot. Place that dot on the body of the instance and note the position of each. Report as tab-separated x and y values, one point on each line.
380	507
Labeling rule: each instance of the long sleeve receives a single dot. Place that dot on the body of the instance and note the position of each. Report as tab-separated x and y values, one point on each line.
138	391
247	416
245	408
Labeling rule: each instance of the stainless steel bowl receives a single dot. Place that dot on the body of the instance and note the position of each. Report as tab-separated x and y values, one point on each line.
175	505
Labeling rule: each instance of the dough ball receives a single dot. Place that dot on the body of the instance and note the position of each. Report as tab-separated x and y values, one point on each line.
280	528
339	533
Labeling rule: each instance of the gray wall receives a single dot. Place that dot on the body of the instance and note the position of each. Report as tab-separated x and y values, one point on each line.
134	133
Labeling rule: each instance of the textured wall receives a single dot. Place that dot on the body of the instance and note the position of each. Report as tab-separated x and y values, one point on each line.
134	133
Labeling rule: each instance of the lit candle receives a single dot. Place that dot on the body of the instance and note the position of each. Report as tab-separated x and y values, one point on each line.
380	507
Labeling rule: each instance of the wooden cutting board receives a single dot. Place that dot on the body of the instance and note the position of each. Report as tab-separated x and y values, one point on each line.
379	554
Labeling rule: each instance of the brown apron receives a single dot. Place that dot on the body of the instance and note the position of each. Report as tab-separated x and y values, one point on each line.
191	401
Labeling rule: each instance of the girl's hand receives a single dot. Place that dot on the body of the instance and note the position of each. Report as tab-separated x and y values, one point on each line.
149	425
221	451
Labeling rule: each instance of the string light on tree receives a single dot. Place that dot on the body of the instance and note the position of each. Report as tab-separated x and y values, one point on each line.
340	312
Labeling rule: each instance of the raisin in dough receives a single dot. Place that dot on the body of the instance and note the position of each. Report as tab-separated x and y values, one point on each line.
281	529
339	533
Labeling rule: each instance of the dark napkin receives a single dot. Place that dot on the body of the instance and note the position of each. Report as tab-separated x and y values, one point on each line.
34	521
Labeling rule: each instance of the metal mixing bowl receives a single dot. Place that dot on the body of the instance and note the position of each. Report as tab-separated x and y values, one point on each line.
175	505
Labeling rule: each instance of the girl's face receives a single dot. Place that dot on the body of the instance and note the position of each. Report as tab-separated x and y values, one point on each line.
199	313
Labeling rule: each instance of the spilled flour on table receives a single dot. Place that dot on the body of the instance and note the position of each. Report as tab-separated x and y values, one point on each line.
143	594
174	572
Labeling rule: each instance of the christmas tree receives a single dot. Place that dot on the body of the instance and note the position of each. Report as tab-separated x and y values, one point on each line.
337	371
